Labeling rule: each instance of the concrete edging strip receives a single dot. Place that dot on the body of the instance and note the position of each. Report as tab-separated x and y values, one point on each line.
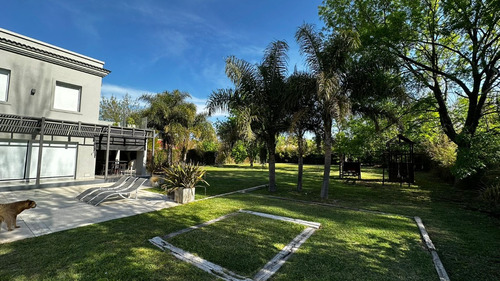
201	263
443	276
173	234
312	224
233	192
264	273
279	260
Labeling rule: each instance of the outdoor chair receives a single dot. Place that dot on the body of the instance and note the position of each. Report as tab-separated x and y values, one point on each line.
124	193
352	169
125	185
92	190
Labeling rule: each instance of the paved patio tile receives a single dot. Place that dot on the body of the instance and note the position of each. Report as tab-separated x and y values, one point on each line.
57	210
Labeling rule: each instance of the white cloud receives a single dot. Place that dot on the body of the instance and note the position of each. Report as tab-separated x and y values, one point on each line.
214	73
108	90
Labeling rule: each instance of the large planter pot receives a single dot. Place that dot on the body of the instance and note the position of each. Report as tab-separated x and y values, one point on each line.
184	195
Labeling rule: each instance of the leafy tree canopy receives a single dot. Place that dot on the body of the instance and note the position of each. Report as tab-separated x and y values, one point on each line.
449	47
121	112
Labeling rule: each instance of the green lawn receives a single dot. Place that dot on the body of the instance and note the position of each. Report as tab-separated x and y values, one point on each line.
242	243
350	245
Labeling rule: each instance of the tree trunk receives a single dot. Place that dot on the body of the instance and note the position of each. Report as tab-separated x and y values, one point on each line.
328	158
271	146
169	155
300	143
168	144
464	145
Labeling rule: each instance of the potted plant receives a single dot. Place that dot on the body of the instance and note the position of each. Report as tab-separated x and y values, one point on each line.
183	179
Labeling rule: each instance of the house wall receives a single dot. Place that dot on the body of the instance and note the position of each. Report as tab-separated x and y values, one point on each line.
37	65
27	73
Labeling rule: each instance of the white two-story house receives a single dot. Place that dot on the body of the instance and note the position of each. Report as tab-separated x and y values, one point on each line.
49	108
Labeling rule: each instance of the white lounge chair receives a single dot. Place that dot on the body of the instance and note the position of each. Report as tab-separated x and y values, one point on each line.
92	190
124	193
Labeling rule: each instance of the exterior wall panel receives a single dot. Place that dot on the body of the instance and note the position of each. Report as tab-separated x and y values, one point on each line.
27	73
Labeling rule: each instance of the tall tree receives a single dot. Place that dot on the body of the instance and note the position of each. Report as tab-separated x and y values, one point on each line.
194	131
376	87
169	112
121	112
258	94
451	47
303	103
327	58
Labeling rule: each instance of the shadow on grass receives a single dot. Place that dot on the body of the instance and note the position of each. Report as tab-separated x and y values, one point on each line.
351	245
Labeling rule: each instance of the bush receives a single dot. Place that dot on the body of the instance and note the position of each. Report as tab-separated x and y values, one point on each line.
201	157
491	195
239	152
183	176
483	155
158	162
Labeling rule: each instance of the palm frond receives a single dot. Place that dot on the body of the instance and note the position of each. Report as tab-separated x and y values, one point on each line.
219	101
244	120
310	45
276	58
240	72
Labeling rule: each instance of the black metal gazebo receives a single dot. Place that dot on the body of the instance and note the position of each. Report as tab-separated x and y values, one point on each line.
398	160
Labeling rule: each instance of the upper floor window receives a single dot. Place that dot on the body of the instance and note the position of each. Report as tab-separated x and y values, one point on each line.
4	84
67	97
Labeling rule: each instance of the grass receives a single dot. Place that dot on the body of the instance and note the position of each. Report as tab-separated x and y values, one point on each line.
242	243
350	245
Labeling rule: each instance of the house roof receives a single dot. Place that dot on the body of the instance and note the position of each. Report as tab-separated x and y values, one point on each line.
29	47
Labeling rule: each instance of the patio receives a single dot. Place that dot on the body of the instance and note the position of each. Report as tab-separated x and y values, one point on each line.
57	209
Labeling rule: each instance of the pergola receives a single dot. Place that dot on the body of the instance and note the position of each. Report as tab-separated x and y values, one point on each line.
103	136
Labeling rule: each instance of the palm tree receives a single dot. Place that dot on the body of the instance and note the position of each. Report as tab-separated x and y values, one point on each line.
304	104
198	129
258	95
169	112
327	60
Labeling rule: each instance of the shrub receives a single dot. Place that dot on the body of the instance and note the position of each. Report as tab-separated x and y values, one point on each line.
491	195
479	158
158	162
183	176
441	150
239	152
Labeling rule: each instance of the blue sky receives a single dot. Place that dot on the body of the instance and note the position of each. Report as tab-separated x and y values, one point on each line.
155	45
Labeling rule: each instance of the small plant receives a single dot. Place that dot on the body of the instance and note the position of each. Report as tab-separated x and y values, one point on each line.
491	195
183	176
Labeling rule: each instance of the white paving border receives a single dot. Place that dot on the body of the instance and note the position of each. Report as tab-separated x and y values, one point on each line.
443	276
264	273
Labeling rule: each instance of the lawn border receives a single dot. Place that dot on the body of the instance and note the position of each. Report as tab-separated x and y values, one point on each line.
245	190
264	273
443	276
